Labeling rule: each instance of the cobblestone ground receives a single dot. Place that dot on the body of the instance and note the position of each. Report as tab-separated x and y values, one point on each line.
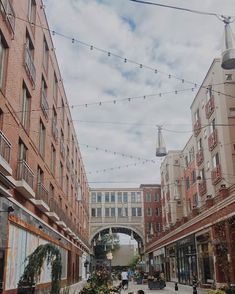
169	289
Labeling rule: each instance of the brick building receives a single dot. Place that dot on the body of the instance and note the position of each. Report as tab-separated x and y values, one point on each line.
42	176
199	239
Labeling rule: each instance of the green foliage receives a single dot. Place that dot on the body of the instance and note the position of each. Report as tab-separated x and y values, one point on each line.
133	264
32	271
106	241
217	291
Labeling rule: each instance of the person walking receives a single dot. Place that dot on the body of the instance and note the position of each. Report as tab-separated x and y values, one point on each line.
124	276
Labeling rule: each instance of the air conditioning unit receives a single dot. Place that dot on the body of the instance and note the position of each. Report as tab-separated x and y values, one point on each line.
229	78
208	196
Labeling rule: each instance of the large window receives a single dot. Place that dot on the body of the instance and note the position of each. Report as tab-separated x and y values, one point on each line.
99	197
93	197
53	158
22	155
61	174
215	160
119	197
136	211
106	196
42	138
149	211
25	114
148	197
55	88
32	11
156	196
125	197
112	196
45	54
3	48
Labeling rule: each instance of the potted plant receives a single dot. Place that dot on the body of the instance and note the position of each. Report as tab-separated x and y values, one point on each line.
156	281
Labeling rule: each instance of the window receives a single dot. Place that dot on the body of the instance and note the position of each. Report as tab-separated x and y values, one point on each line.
157	211
195	200
44	103
112	211
93	197
68	129
125	197
193	176
40	176
119	197
67	186
133	211
148	197
186	160
55	88
53	159
51	191
202	174
25	114
3	51
22	151
98	212
106	196
62	112
158	227
209	93
149	225
61	174
149	211
139	211
215	160
112	196
187	183
93	212
32	11
133	197
42	138
212	126
199	144
138	197
45	54
106	212
1	119
99	197
191	154
156	196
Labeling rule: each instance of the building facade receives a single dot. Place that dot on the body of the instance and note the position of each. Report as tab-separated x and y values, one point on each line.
201	239
44	195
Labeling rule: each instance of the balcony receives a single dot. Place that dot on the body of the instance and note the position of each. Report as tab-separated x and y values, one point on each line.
29	65
54	208
8	13
5	153
197	127
25	178
44	105
216	175
199	157
213	140
55	131
42	199
62	149
210	106
202	188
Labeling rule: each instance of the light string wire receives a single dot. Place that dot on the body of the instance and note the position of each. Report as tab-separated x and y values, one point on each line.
109	53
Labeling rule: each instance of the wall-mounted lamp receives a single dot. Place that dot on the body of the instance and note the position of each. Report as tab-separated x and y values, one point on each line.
9	209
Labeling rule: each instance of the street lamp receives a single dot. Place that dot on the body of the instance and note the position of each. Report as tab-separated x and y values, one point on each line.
86	263
109	256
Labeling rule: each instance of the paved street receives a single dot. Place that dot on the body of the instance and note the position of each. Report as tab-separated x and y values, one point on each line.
168	290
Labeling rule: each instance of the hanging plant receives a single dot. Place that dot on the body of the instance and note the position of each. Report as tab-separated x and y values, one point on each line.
49	253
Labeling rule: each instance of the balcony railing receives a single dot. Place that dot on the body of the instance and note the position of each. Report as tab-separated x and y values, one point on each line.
9	13
202	188
197	128
29	65
213	140
42	193
25	173
5	148
199	157
44	104
216	175
55	131
210	106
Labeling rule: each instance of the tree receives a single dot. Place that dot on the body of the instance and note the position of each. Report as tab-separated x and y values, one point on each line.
135	260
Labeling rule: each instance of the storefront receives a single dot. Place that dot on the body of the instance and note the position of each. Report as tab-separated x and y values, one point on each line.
186	260
159	260
171	263
205	258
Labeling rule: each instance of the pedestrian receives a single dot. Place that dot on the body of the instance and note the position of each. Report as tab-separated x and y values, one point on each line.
124	276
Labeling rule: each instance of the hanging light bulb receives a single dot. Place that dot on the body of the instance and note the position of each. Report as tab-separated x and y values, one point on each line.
228	55
176	191
105	248
132	237
161	148
112	246
99	237
94	243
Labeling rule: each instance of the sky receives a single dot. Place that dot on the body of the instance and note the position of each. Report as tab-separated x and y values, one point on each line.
118	139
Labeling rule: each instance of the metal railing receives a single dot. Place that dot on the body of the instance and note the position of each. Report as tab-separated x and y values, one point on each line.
29	65
25	173
42	193
8	12
44	104
5	148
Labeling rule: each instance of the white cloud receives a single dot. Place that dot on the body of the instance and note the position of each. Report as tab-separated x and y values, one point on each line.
172	41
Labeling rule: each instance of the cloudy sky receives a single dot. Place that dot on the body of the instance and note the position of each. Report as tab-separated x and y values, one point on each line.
121	136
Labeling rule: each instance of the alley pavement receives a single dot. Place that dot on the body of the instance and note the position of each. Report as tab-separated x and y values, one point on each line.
169	289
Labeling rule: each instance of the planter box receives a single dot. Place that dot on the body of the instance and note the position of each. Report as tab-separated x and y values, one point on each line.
153	285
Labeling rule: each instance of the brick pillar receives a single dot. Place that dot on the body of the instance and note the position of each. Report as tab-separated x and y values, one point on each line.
216	268
230	235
